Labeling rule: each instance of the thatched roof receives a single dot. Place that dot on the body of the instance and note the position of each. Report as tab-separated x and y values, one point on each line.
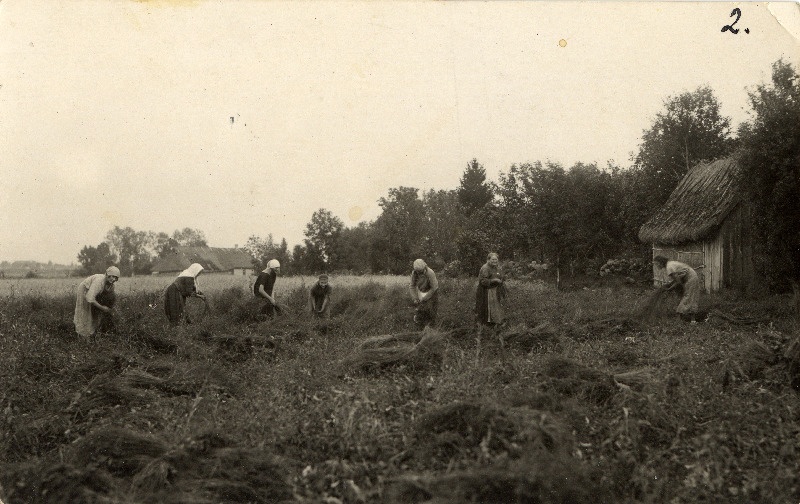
211	258
697	206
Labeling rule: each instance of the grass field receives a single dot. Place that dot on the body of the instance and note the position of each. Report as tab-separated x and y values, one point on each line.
208	283
576	400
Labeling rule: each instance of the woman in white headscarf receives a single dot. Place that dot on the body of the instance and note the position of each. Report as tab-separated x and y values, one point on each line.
424	290
175	296
96	286
264	286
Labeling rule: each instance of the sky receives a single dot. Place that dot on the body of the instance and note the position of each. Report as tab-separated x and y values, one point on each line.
243	118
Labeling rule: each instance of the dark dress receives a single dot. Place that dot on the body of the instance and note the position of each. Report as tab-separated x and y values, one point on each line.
319	293
268	281
106	298
175	298
488	296
427	310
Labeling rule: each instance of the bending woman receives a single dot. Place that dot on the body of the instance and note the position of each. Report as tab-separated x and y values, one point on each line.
183	287
100	285
684	275
490	293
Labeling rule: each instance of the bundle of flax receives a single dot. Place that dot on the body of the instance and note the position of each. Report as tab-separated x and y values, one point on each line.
404	348
652	304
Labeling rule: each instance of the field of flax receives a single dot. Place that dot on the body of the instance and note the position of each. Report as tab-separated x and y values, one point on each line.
575	400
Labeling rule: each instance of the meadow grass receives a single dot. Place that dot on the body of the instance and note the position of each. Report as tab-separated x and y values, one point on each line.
574	401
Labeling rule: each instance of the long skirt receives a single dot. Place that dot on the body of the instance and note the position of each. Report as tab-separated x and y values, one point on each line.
86	322
496	314
174	303
427	311
691	296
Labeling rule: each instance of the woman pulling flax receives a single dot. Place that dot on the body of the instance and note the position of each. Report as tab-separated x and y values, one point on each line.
95	298
681	274
491	293
184	286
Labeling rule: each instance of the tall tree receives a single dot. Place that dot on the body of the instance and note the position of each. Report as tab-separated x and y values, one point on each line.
96	259
398	235
162	244
474	192
190	237
443	225
131	247
322	238
771	164
355	248
261	250
690	129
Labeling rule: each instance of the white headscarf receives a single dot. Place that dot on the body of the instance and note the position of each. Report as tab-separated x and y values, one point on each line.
419	265
272	264
192	271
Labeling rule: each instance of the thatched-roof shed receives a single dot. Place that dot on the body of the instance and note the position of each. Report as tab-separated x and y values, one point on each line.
706	223
213	259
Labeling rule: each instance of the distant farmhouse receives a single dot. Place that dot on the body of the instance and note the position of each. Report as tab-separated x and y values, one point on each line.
706	223
235	261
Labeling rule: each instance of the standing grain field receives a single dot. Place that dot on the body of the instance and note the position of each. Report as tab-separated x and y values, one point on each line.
210	283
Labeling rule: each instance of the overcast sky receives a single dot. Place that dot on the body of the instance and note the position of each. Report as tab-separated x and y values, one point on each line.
243	118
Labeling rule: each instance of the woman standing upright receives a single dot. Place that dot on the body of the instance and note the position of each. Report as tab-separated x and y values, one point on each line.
185	285
100	285
490	292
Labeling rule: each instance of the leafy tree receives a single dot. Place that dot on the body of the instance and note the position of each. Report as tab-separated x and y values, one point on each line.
322	239
443	224
162	244
299	260
131	247
771	163
480	235
190	237
355	248
96	259
690	129
473	191
262	250
550	212
284	257
398	235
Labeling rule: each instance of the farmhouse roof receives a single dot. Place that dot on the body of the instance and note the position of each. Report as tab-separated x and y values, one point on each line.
698	205
211	258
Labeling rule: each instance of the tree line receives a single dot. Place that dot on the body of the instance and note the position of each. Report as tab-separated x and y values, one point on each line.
573	217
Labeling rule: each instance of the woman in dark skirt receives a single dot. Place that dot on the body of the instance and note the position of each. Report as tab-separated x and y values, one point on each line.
183	287
490	293
93	300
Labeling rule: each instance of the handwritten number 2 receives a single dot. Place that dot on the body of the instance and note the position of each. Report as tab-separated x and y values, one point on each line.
735	12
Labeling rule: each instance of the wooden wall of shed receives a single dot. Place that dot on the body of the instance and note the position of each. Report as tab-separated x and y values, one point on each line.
730	253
